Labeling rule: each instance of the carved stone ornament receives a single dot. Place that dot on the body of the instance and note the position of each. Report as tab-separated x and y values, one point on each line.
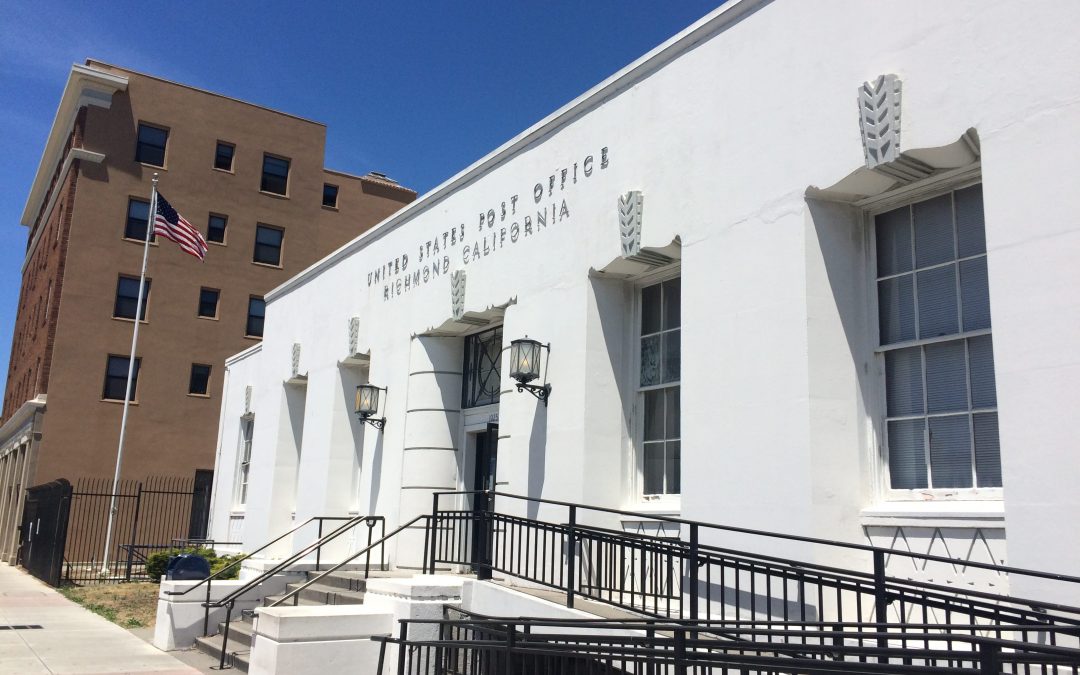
457	294
879	120
295	359
354	335
247	399
630	205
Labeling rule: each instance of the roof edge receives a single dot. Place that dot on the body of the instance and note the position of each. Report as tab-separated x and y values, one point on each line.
85	86
712	23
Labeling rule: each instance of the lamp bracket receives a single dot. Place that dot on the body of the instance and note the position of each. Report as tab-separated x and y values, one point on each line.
377	422
541	392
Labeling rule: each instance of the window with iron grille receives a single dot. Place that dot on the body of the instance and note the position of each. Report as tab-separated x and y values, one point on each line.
483	358
660	358
247	428
941	422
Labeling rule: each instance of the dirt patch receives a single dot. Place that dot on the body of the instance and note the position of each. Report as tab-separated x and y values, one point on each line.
132	605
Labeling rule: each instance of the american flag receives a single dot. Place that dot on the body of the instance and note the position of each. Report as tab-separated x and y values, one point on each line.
171	225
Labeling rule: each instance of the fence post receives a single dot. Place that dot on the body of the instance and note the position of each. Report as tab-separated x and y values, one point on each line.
134	532
403	648
571	556
432	527
693	571
881	600
680	651
318	549
487	538
989	658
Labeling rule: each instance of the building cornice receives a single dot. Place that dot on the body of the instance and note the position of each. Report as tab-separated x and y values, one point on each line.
85	86
72	155
240	356
19	418
715	22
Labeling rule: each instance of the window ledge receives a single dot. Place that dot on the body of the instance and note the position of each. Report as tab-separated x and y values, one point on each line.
330	208
190	395
253	337
273	194
228	171
216	243
118	401
140	242
127	320
204	318
262	264
238	511
151	166
982	513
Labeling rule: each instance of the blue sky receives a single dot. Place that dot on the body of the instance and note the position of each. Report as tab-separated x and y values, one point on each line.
417	90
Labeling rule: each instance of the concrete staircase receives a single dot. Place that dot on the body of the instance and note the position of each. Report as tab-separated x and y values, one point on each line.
339	588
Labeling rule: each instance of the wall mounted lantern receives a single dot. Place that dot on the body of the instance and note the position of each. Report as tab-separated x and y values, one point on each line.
367	405
525	367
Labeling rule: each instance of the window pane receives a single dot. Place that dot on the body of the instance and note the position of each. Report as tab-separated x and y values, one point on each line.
268	245
116	378
215	230
934	231
256	311
329	195
950	451
904	382
896	307
150	145
650	360
650	309
653	469
671	413
893	234
672	355
907	457
137	215
223	157
981	362
208	302
654	415
975	294
275	177
127	295
672	300
937	302
946	377
673	467
970	227
200	379
987	450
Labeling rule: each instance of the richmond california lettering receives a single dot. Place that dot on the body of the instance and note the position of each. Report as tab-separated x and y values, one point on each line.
510	222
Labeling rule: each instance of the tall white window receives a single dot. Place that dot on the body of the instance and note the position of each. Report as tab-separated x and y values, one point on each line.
658	388
243	466
941	423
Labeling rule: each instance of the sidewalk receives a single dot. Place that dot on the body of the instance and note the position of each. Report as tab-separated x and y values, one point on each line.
70	639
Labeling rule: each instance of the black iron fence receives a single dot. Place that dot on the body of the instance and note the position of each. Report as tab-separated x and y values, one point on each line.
681	577
151	516
470	644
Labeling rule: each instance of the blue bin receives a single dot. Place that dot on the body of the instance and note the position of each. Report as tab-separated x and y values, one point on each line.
187	566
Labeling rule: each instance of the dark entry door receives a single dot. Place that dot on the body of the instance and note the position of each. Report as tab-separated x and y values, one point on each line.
487	455
43	534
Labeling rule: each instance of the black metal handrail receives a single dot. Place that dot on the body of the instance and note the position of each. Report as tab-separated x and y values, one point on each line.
229	600
476	643
295	593
672	576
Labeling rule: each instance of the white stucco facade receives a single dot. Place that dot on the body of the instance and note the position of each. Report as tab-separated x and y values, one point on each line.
742	136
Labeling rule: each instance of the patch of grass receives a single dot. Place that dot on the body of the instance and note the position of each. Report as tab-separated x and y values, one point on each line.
131	605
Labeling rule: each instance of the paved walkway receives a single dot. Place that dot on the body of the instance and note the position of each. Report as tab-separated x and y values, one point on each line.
71	639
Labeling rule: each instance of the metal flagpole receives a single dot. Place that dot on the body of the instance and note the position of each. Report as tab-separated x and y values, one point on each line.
130	376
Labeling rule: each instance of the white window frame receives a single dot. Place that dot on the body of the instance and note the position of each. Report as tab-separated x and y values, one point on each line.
243	468
663	503
879	413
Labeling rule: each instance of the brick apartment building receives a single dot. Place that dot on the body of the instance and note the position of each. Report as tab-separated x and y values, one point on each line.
253	181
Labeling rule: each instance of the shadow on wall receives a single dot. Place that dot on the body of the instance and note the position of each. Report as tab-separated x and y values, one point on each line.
537	458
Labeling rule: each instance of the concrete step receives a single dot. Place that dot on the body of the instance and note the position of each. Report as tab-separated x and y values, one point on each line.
324	594
237	655
271	599
240	632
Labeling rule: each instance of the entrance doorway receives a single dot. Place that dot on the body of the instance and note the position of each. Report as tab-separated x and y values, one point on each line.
486	459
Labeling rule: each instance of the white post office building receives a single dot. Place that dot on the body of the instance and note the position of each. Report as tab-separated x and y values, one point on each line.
808	267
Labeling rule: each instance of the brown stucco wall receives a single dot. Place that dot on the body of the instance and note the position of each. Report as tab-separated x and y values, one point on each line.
169	431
